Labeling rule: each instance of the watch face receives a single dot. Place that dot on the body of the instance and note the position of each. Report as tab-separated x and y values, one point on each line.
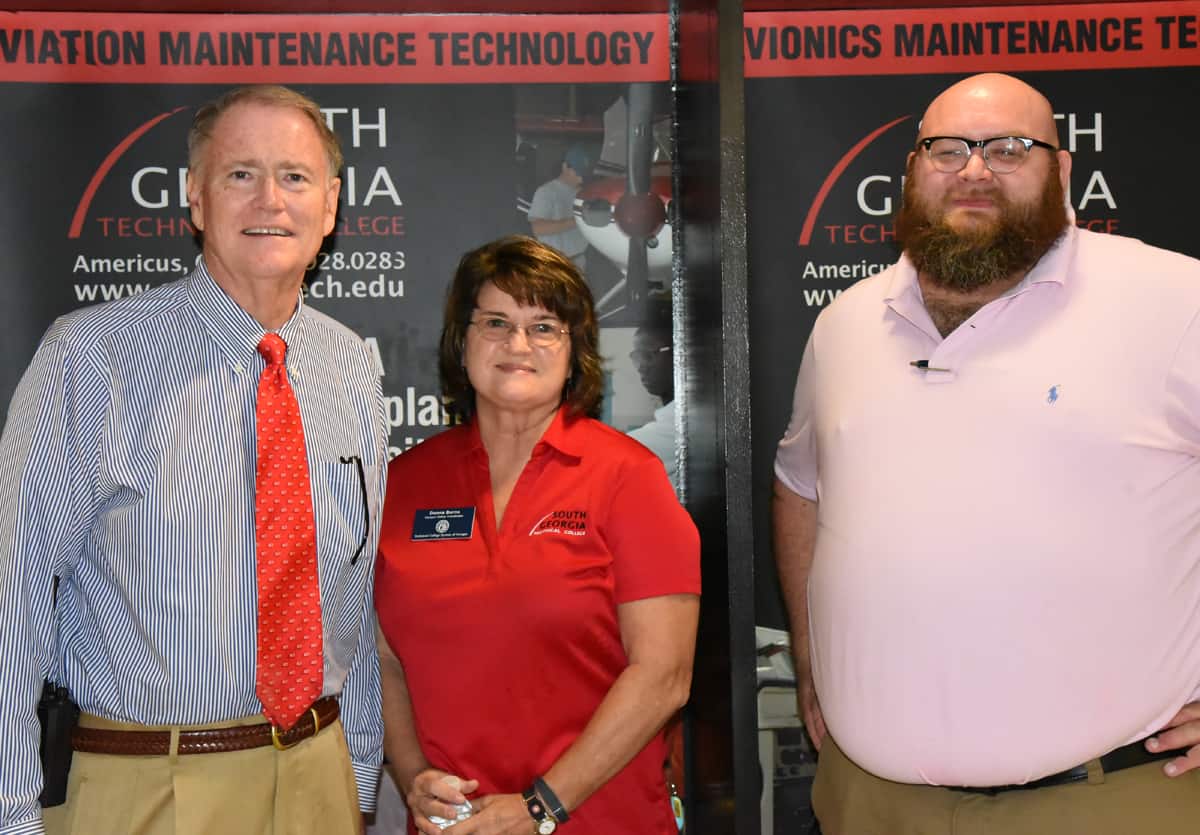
545	827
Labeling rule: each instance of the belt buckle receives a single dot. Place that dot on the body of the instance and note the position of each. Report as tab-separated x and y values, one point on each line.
276	737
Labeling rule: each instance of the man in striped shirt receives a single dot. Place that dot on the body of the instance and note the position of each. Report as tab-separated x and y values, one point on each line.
127	472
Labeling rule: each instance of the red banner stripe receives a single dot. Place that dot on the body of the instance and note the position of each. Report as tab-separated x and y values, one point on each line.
333	49
970	40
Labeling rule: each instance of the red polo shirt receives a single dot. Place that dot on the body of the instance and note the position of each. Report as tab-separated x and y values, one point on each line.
509	639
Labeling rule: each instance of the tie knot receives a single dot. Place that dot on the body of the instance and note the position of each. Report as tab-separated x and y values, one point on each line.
273	348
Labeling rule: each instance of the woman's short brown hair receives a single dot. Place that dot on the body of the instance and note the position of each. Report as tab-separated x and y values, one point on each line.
533	274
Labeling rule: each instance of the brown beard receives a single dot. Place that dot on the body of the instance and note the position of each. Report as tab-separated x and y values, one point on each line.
959	260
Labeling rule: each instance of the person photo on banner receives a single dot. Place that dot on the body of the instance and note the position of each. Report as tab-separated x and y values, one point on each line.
538	581
190	487
987	506
652	356
552	209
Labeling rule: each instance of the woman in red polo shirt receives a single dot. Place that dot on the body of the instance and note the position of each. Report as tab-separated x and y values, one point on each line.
537	584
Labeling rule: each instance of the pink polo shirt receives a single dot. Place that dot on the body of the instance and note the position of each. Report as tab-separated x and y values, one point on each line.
1007	572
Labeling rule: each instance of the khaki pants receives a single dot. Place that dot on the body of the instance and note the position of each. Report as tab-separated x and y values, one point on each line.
1134	801
308	789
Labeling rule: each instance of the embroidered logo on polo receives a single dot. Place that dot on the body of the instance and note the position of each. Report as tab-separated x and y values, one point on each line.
566	522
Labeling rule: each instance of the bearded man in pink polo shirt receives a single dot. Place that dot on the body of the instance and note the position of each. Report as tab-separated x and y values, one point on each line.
987	507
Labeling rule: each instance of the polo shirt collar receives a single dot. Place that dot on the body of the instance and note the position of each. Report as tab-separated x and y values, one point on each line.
903	282
903	295
903	290
561	435
1055	265
235	332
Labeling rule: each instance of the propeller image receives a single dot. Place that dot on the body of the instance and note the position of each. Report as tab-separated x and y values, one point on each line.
624	211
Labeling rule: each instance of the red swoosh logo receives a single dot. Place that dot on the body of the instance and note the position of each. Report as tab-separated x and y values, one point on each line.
810	220
109	161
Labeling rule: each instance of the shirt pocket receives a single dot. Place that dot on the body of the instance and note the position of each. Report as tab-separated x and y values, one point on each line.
340	500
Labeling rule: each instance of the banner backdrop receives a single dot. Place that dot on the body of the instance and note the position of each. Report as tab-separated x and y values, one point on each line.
448	124
833	101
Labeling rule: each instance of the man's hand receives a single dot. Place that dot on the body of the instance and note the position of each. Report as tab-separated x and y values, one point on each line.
810	709
794	527
806	697
1181	731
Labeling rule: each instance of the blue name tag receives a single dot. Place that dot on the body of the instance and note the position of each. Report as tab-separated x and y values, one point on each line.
444	523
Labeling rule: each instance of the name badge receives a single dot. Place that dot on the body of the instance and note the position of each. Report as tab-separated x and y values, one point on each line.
444	523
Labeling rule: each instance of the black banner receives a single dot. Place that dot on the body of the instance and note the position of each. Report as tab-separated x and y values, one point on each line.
445	141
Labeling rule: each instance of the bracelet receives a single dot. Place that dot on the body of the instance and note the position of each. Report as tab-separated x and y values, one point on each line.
553	804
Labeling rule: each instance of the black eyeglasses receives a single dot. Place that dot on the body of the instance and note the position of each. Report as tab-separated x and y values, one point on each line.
1001	154
362	486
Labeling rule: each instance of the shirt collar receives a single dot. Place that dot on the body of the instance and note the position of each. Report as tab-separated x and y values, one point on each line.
1053	267
235	331
562	435
903	281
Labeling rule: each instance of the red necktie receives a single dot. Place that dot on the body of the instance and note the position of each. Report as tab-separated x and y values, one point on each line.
290	662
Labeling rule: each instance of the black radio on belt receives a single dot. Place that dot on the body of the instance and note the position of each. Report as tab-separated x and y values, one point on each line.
58	715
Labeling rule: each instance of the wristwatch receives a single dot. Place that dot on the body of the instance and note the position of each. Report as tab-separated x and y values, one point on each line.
543	823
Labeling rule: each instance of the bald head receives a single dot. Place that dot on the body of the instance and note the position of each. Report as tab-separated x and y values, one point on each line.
988	105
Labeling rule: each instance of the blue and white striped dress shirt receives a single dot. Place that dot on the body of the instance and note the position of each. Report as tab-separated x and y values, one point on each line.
127	470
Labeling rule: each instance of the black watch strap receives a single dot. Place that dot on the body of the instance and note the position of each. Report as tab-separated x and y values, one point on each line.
552	801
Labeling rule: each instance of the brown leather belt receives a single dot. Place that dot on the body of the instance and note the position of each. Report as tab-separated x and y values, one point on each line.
215	741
